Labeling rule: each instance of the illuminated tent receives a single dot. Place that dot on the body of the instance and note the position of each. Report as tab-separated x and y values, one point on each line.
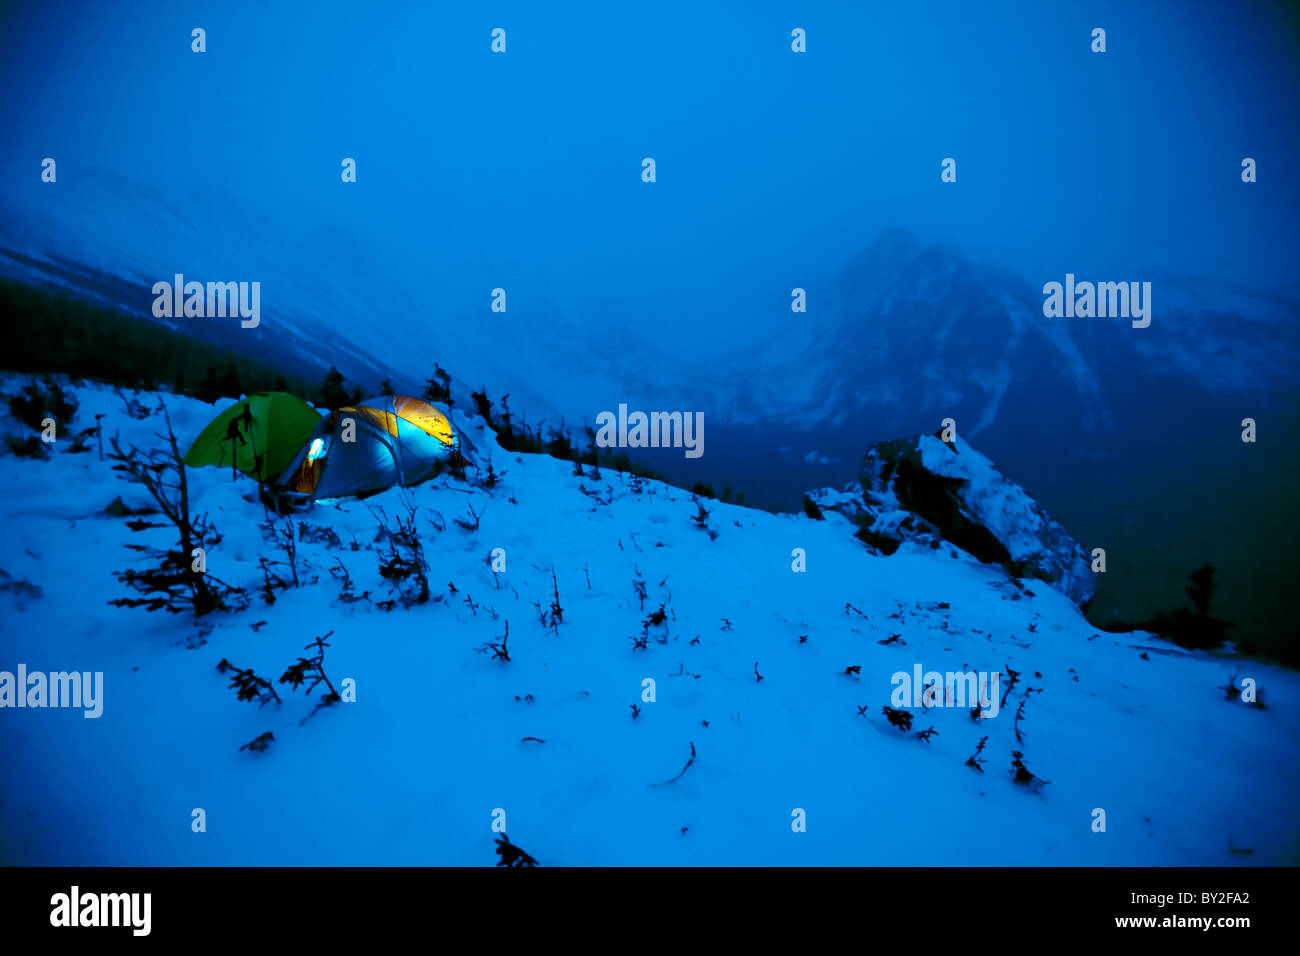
362	449
258	435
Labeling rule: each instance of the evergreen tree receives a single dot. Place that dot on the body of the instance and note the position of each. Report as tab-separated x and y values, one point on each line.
482	405
229	384
560	446
438	388
505	415
1196	630
332	394
209	391
1201	588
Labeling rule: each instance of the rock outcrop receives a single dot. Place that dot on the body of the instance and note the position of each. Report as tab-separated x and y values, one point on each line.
923	490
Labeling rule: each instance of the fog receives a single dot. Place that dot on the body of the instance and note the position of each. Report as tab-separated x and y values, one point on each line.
523	171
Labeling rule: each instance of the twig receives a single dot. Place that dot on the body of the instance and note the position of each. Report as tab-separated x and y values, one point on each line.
684	769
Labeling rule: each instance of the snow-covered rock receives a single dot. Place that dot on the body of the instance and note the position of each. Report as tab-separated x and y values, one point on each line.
922	490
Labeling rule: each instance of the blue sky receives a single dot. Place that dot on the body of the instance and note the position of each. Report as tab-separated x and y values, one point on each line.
478	170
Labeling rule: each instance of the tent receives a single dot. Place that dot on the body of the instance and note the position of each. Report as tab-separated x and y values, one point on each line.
362	449
259	435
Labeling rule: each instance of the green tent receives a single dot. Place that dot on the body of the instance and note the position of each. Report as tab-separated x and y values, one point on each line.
259	435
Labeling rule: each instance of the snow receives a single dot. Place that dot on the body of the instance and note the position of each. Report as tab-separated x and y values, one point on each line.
1004	508
413	770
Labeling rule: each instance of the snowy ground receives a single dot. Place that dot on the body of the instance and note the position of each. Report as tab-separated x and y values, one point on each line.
413	770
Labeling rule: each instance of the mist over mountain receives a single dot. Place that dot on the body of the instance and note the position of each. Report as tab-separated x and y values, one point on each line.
522	171
914	332
908	333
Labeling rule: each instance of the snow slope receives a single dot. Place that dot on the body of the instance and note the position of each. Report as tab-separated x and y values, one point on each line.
413	770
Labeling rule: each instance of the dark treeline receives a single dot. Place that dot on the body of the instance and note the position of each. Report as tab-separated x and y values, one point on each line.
47	332
50	332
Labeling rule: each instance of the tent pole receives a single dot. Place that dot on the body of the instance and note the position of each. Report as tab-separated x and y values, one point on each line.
397	441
